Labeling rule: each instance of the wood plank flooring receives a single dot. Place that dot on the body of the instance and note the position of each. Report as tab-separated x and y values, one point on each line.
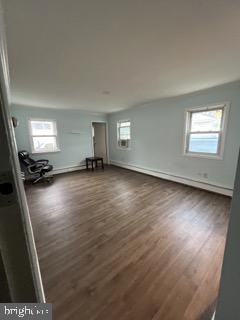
120	245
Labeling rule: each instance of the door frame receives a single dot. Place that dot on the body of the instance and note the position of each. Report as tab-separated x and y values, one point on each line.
107	139
13	158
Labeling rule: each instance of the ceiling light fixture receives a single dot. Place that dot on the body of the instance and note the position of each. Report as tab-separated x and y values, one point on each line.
106	92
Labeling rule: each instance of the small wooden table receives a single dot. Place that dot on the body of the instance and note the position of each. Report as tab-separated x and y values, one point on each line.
92	160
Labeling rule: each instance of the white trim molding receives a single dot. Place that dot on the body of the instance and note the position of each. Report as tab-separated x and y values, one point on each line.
176	178
224	106
67	169
31	135
21	200
107	138
118	135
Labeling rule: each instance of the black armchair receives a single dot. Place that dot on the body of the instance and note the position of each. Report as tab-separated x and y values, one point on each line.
36	169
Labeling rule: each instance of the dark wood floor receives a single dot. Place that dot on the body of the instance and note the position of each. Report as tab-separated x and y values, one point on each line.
120	245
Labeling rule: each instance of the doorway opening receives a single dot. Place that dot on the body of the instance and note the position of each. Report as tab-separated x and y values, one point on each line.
99	140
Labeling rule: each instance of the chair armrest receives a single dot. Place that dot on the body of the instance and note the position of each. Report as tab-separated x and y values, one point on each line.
37	168
44	161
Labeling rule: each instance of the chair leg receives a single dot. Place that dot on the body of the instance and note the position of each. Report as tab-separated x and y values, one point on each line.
38	179
42	177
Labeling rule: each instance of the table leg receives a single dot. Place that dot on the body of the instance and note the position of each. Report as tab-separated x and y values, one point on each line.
102	164
92	164
87	164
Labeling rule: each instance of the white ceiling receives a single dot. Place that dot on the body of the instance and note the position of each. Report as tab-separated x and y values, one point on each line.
72	53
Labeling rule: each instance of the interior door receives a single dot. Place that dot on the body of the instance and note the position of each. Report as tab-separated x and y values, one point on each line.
19	262
228	307
99	140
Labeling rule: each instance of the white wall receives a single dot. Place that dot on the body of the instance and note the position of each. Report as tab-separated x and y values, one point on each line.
157	137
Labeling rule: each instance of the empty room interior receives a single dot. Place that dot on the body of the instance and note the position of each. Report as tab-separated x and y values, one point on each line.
126	118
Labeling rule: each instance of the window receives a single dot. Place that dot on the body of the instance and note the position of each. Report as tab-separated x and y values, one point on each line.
124	133
205	131
43	135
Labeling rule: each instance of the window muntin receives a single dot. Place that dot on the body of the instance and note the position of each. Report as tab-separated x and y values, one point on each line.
43	135
124	133
205	131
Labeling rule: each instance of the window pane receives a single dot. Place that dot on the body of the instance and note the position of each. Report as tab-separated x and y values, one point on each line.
205	143
44	144
206	120
41	128
124	133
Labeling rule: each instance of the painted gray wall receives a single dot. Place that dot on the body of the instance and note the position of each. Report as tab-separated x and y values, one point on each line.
228	307
74	147
157	136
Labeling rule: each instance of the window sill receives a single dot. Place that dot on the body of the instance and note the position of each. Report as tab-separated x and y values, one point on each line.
203	156
122	148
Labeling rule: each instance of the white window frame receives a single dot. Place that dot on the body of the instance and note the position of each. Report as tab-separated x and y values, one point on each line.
31	135
222	132
118	135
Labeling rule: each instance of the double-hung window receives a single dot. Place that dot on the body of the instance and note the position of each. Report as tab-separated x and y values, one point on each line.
124	133
205	131
43	135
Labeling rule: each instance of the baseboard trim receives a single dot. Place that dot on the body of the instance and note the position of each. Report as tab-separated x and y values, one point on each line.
68	169
190	182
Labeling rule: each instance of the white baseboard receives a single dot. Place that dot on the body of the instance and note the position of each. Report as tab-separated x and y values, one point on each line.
67	169
190	182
